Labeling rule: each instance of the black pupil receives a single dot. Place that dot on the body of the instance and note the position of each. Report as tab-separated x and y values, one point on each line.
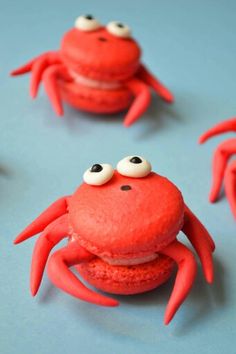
96	168
120	25
89	17
126	187
136	159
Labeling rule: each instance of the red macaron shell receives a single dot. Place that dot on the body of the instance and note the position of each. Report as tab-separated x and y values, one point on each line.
127	280
95	100
111	222
100	55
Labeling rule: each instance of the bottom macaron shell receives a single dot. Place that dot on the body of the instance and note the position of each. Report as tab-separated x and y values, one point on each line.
95	100
127	280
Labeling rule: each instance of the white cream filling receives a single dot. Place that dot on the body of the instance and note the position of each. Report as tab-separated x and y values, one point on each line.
98	84
131	261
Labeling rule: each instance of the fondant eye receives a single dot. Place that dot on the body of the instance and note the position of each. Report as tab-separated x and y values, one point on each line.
87	23
98	174
134	166
119	29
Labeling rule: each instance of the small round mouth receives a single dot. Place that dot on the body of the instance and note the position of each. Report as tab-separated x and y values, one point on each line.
125	187
102	39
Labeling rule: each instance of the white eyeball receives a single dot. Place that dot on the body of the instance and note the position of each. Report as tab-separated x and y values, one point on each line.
134	166
98	174
119	29
87	23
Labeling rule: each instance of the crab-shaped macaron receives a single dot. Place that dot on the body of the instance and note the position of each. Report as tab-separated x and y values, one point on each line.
122	228
97	69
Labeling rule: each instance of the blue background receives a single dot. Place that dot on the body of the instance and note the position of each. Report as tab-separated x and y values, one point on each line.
190	46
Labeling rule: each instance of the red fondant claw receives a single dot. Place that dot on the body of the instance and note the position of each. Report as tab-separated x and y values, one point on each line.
52	235
141	101
220	159
63	278
155	84
53	212
230	186
187	268
50	77
223	127
201	241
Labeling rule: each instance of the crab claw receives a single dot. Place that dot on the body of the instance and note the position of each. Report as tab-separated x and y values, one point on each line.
187	268
223	127
230	186
155	84
220	159
53	212
142	99
50	80
201	241
63	278
52	235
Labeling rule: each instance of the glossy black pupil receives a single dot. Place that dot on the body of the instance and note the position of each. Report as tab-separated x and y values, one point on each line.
136	159
120	25
96	168
89	17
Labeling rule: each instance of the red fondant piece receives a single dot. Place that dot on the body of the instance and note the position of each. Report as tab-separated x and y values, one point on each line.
121	240
221	170
95	71
187	268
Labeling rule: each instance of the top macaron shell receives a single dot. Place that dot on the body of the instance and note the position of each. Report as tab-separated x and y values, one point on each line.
100	55
111	221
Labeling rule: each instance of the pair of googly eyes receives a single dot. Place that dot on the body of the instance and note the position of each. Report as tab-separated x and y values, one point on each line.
89	23
130	166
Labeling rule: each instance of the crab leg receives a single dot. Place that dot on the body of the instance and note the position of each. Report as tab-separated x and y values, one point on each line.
142	99
53	212
145	75
201	241
187	268
63	278
220	159
223	127
50	80
52	235
230	185
49	57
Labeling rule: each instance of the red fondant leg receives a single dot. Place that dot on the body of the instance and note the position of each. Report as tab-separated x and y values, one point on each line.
37	71
185	277
220	159
142	99
50	57
24	68
50	80
156	85
53	212
201	241
223	127
63	278
52	235
230	185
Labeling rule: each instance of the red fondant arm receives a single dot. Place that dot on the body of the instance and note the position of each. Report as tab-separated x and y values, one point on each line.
145	75
223	127
63	278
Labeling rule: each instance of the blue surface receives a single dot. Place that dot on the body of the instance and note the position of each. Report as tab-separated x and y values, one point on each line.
190	45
